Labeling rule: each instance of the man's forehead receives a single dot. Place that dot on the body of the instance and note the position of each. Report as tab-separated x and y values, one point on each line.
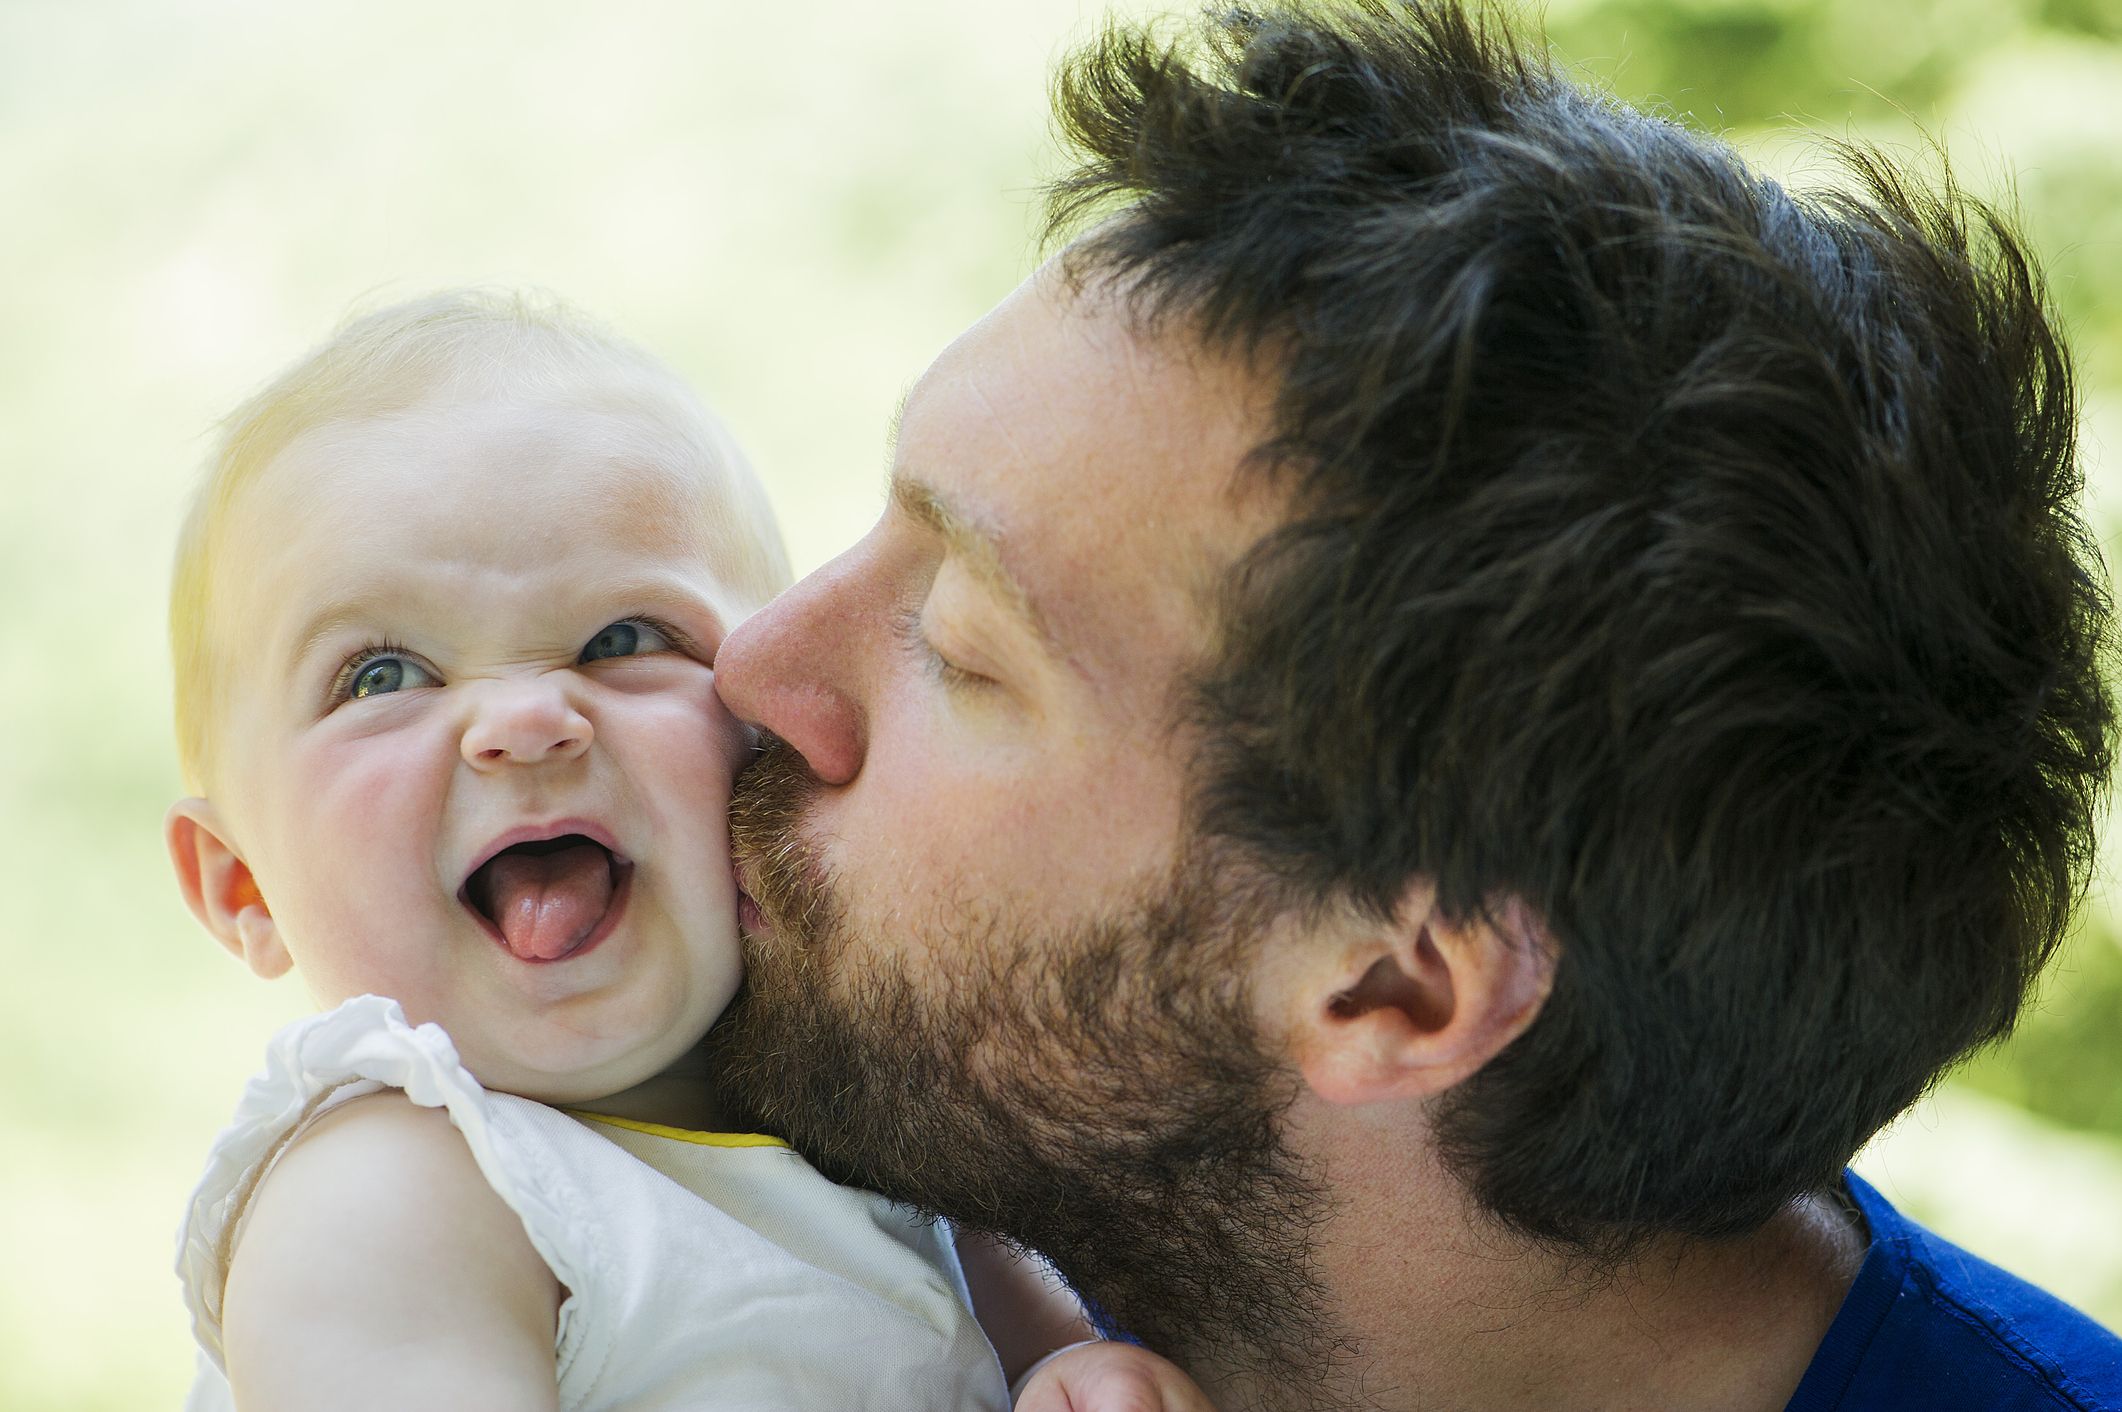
1095	455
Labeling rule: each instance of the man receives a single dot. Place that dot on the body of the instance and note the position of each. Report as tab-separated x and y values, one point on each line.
1450	710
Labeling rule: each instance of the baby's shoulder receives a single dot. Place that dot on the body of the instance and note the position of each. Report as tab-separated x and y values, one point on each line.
377	1204
381	1165
357	1116
377	1142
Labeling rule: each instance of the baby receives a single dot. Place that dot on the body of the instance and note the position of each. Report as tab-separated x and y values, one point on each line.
444	622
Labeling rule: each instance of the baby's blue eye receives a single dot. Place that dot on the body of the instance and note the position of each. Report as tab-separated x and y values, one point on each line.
629	638
379	675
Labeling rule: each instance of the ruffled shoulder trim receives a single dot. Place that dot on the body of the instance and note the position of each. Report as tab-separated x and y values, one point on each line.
313	1065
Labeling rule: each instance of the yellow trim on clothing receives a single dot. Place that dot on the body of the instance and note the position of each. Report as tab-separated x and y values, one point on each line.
698	1139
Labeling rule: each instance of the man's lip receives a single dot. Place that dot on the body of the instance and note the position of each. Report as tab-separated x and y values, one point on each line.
750	915
539	833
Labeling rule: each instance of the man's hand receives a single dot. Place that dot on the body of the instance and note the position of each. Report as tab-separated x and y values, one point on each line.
1109	1377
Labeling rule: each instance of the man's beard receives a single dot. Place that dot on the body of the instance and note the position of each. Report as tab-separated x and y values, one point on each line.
1097	1093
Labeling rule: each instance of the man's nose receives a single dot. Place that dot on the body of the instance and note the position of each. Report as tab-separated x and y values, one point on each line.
524	723
795	667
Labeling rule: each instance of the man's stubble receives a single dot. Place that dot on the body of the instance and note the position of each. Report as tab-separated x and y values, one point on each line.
1095	1092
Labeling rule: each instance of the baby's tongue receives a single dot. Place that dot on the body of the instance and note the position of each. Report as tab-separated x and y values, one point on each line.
547	904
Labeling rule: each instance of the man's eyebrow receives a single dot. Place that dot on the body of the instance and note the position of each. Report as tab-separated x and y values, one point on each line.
925	507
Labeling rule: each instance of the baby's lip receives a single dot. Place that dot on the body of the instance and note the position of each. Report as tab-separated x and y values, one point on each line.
540	833
553	900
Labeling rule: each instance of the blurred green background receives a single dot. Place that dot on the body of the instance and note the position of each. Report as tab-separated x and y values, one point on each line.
797	206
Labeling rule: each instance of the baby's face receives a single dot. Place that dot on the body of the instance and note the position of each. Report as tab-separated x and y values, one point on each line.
474	757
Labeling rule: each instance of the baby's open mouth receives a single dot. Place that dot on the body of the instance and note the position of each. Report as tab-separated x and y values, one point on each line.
549	899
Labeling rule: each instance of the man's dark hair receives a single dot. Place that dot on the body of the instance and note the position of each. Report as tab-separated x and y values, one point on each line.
1694	561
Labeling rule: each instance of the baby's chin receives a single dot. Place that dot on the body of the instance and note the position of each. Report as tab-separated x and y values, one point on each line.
578	1085
586	1052
570	1070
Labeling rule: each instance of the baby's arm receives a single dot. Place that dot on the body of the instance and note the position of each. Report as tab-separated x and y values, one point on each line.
376	1268
1110	1377
1038	1328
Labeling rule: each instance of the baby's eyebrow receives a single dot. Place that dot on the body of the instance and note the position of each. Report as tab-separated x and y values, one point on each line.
898	419
677	597
325	622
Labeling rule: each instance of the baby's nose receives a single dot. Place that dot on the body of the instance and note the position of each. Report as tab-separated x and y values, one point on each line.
523	724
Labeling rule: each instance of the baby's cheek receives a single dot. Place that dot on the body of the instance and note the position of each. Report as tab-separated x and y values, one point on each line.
686	754
387	786
359	829
344	947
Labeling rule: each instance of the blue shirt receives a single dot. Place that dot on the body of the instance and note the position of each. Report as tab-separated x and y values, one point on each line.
1927	1327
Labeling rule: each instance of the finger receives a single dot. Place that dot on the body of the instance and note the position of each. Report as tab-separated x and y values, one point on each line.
1178	1393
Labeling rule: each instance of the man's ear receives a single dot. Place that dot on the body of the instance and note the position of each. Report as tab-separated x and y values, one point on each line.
1410	1006
218	887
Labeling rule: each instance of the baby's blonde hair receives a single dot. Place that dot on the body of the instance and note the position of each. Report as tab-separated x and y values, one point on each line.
456	344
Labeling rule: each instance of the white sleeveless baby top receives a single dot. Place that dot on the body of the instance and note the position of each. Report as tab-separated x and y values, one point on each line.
704	1270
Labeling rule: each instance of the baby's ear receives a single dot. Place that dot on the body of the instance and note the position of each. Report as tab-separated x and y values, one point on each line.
218	887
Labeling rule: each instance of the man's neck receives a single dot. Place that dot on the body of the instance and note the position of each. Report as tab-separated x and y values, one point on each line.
1441	1312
